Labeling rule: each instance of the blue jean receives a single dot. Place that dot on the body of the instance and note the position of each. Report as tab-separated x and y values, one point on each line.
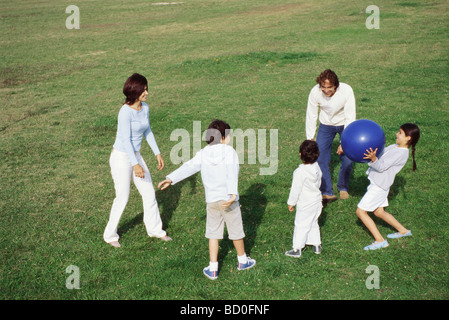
324	139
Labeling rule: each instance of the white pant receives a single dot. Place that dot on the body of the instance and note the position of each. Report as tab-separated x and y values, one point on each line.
122	173
307	230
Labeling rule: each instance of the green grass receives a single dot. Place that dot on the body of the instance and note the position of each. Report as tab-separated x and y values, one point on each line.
253	65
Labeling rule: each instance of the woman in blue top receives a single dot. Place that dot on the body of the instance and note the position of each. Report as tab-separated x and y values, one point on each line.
126	162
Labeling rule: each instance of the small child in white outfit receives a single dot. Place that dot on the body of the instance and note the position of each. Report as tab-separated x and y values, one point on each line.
305	194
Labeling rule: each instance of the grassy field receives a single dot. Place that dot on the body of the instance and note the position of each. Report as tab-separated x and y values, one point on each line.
251	63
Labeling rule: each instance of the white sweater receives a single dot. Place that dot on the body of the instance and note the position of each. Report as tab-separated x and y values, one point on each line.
383	171
337	110
219	166
305	190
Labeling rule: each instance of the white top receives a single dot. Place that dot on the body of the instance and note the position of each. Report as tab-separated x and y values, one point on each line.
306	184
337	110
132	126
383	171
219	166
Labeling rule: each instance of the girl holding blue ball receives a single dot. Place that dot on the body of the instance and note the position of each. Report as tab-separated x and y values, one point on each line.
381	174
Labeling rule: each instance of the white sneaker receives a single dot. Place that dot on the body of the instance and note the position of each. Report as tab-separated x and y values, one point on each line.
249	264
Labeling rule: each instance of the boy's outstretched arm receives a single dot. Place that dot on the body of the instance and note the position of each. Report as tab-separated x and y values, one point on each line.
164	184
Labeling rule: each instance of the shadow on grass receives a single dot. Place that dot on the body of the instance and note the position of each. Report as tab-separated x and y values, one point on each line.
167	200
358	184
253	204
397	187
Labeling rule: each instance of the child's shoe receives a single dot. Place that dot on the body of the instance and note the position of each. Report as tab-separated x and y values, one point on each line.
377	245
295	253
249	264
210	274
317	249
399	235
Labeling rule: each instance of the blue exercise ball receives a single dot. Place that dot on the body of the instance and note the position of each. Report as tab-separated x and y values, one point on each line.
361	135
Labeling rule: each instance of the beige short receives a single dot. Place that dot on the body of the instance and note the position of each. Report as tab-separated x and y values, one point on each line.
217	217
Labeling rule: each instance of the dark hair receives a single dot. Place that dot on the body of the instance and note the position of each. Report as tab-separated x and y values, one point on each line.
217	130
309	151
328	75
134	87
412	130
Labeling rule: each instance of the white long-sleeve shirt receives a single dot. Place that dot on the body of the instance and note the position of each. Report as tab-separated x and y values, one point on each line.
383	171
305	189
132	126
219	166
337	110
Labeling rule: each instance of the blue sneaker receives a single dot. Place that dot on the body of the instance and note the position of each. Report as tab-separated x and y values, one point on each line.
377	245
249	264
398	235
210	274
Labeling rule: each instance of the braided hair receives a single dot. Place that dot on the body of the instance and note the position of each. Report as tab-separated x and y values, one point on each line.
411	130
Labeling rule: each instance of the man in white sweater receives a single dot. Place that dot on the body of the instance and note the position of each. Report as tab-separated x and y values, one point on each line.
219	166
335	102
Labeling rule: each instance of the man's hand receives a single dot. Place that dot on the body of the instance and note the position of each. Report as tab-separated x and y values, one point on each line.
340	150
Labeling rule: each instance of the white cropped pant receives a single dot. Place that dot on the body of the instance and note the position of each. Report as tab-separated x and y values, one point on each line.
122	173
307	230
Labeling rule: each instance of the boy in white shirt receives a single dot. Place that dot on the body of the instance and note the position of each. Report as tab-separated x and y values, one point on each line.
219	166
305	194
